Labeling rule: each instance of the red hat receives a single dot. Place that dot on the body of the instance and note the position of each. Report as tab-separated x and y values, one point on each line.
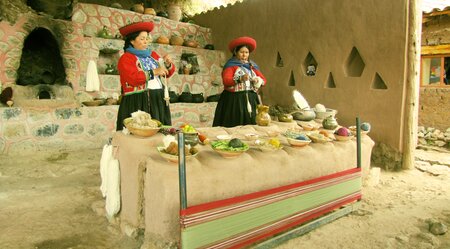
245	40
135	27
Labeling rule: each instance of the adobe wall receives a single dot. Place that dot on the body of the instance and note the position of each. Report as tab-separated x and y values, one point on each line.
434	108
329	31
434	102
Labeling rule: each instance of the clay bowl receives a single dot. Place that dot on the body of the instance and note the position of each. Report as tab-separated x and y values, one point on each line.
325	114
251	136
298	143
170	157
229	154
273	133
96	102
343	138
353	130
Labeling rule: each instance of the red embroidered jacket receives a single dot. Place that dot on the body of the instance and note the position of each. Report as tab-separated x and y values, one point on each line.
229	83
132	78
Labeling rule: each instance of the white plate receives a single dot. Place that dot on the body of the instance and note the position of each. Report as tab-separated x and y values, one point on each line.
224	137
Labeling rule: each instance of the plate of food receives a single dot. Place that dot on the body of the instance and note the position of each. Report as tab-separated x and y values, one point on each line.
229	149
170	153
319	138
270	145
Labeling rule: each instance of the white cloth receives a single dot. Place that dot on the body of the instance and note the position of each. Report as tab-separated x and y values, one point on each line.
92	80
113	189
104	161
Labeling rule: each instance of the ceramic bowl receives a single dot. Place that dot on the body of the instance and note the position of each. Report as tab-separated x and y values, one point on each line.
298	143
191	138
319	138
343	138
325	114
273	133
170	157
95	102
251	136
224	137
353	130
229	154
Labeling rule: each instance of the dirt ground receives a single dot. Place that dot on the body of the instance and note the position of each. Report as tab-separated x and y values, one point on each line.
53	201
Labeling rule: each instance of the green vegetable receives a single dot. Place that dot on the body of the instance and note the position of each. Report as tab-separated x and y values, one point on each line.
223	145
235	143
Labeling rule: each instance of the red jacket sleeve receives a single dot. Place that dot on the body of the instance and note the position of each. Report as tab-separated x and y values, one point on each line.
227	76
129	72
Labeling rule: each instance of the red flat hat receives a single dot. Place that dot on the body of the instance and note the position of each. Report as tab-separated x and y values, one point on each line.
245	40
135	27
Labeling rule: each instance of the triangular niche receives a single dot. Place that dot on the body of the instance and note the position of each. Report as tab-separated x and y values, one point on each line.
354	66
310	65
330	81
291	79
378	83
279	62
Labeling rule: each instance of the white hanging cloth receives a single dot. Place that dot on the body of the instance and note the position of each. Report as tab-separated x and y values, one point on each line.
104	161
113	189
92	80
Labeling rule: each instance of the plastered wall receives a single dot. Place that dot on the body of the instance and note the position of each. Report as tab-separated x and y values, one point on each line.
330	30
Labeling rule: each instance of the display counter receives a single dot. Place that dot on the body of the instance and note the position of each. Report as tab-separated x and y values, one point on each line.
149	183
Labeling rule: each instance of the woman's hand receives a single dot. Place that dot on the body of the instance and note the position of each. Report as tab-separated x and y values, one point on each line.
160	71
167	61
244	78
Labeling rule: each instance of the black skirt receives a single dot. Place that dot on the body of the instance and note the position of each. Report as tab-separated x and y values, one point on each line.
232	109
150	101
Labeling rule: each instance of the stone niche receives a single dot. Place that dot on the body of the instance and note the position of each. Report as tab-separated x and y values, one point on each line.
41	79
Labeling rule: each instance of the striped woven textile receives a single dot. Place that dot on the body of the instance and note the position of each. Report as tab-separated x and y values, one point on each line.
246	219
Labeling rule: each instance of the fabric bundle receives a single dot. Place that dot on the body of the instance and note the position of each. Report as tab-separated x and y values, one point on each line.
92	80
110	175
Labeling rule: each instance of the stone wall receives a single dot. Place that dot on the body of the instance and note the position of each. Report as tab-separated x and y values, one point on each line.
36	125
434	109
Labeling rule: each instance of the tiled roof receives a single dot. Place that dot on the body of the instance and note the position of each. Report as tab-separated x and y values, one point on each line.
429	6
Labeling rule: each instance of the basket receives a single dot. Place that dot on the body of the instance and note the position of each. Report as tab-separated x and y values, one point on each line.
142	132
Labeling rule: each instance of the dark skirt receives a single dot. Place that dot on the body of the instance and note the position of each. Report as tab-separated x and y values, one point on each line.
232	109
150	101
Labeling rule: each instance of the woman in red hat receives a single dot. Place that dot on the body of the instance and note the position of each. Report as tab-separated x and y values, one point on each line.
140	72
242	80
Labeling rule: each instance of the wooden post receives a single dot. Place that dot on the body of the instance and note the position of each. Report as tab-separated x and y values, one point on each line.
412	87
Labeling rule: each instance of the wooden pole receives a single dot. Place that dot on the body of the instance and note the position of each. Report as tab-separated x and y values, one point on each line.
412	87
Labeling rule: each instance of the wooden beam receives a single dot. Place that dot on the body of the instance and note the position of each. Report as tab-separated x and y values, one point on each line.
412	85
435	50
436	13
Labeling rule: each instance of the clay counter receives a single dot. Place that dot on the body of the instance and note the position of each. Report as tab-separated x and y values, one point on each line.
150	184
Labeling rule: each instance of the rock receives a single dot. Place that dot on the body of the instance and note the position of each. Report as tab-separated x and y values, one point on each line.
438	228
420	134
99	208
402	238
440	143
422	141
